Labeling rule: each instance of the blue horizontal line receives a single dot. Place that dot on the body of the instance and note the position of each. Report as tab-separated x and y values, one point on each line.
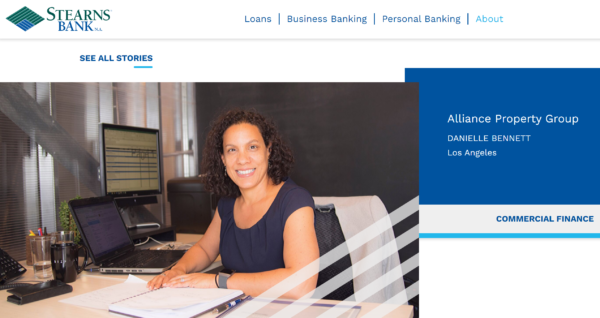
509	235
27	23
142	67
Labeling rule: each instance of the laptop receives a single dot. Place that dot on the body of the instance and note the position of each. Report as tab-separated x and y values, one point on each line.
106	238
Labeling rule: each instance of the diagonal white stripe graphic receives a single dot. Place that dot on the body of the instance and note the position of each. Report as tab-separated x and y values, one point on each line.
387	278
374	286
363	265
367	262
332	256
392	303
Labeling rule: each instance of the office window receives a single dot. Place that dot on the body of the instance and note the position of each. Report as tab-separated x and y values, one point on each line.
179	126
49	145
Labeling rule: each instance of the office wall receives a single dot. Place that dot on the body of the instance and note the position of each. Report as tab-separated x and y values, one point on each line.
349	139
49	145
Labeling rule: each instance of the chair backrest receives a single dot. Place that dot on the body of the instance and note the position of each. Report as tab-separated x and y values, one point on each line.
329	236
355	214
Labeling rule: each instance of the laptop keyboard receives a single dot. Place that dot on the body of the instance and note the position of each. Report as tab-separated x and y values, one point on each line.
137	259
144	257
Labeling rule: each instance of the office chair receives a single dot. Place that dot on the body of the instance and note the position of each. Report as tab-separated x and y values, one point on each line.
329	236
350	216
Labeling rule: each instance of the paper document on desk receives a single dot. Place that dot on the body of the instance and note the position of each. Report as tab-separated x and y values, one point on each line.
101	298
133	299
173	302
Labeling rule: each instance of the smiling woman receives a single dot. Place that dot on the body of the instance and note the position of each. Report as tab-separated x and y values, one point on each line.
264	224
280	158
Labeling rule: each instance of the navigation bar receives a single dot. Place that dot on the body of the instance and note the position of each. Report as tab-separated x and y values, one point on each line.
301	20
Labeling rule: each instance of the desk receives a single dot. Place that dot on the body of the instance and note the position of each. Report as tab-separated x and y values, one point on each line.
89	281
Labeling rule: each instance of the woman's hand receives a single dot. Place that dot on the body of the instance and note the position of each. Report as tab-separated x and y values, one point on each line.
162	279
196	280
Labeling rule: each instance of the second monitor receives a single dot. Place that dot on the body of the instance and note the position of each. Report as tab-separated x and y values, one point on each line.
131	171
130	161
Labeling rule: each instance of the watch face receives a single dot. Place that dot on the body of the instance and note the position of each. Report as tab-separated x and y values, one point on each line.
227	271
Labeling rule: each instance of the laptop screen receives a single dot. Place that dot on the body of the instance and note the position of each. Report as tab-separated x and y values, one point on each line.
102	227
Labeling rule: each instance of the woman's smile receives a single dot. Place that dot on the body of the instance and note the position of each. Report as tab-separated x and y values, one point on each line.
245	173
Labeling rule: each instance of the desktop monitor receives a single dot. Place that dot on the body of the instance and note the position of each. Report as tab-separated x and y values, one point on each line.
129	161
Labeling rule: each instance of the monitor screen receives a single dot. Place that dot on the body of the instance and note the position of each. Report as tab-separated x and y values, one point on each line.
131	160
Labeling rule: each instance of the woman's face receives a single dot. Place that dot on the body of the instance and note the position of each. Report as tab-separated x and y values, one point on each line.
245	155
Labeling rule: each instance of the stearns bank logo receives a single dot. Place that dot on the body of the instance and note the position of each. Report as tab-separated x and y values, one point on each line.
67	20
25	18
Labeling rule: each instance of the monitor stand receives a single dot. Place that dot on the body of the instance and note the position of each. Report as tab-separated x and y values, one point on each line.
135	213
140	222
138	217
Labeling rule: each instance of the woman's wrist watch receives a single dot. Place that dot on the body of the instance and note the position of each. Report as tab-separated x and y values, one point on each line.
223	277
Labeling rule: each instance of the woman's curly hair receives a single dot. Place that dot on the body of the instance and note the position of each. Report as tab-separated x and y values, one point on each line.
281	159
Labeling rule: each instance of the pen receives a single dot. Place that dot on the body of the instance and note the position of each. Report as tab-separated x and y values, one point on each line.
226	306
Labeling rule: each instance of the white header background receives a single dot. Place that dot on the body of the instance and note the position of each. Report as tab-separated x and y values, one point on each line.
458	277
158	19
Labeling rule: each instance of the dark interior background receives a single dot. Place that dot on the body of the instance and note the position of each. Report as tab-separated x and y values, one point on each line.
349	139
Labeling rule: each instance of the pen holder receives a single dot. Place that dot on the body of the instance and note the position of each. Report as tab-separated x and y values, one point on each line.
29	261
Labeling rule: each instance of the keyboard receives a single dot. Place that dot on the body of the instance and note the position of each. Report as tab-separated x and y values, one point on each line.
9	268
144	257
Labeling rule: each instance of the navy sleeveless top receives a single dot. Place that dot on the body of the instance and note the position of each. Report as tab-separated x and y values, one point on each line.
260	247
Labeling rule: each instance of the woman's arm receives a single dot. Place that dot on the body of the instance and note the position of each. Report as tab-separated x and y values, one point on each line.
197	258
300	249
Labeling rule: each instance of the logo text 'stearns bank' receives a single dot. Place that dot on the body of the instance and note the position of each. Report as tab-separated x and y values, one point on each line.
78	15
